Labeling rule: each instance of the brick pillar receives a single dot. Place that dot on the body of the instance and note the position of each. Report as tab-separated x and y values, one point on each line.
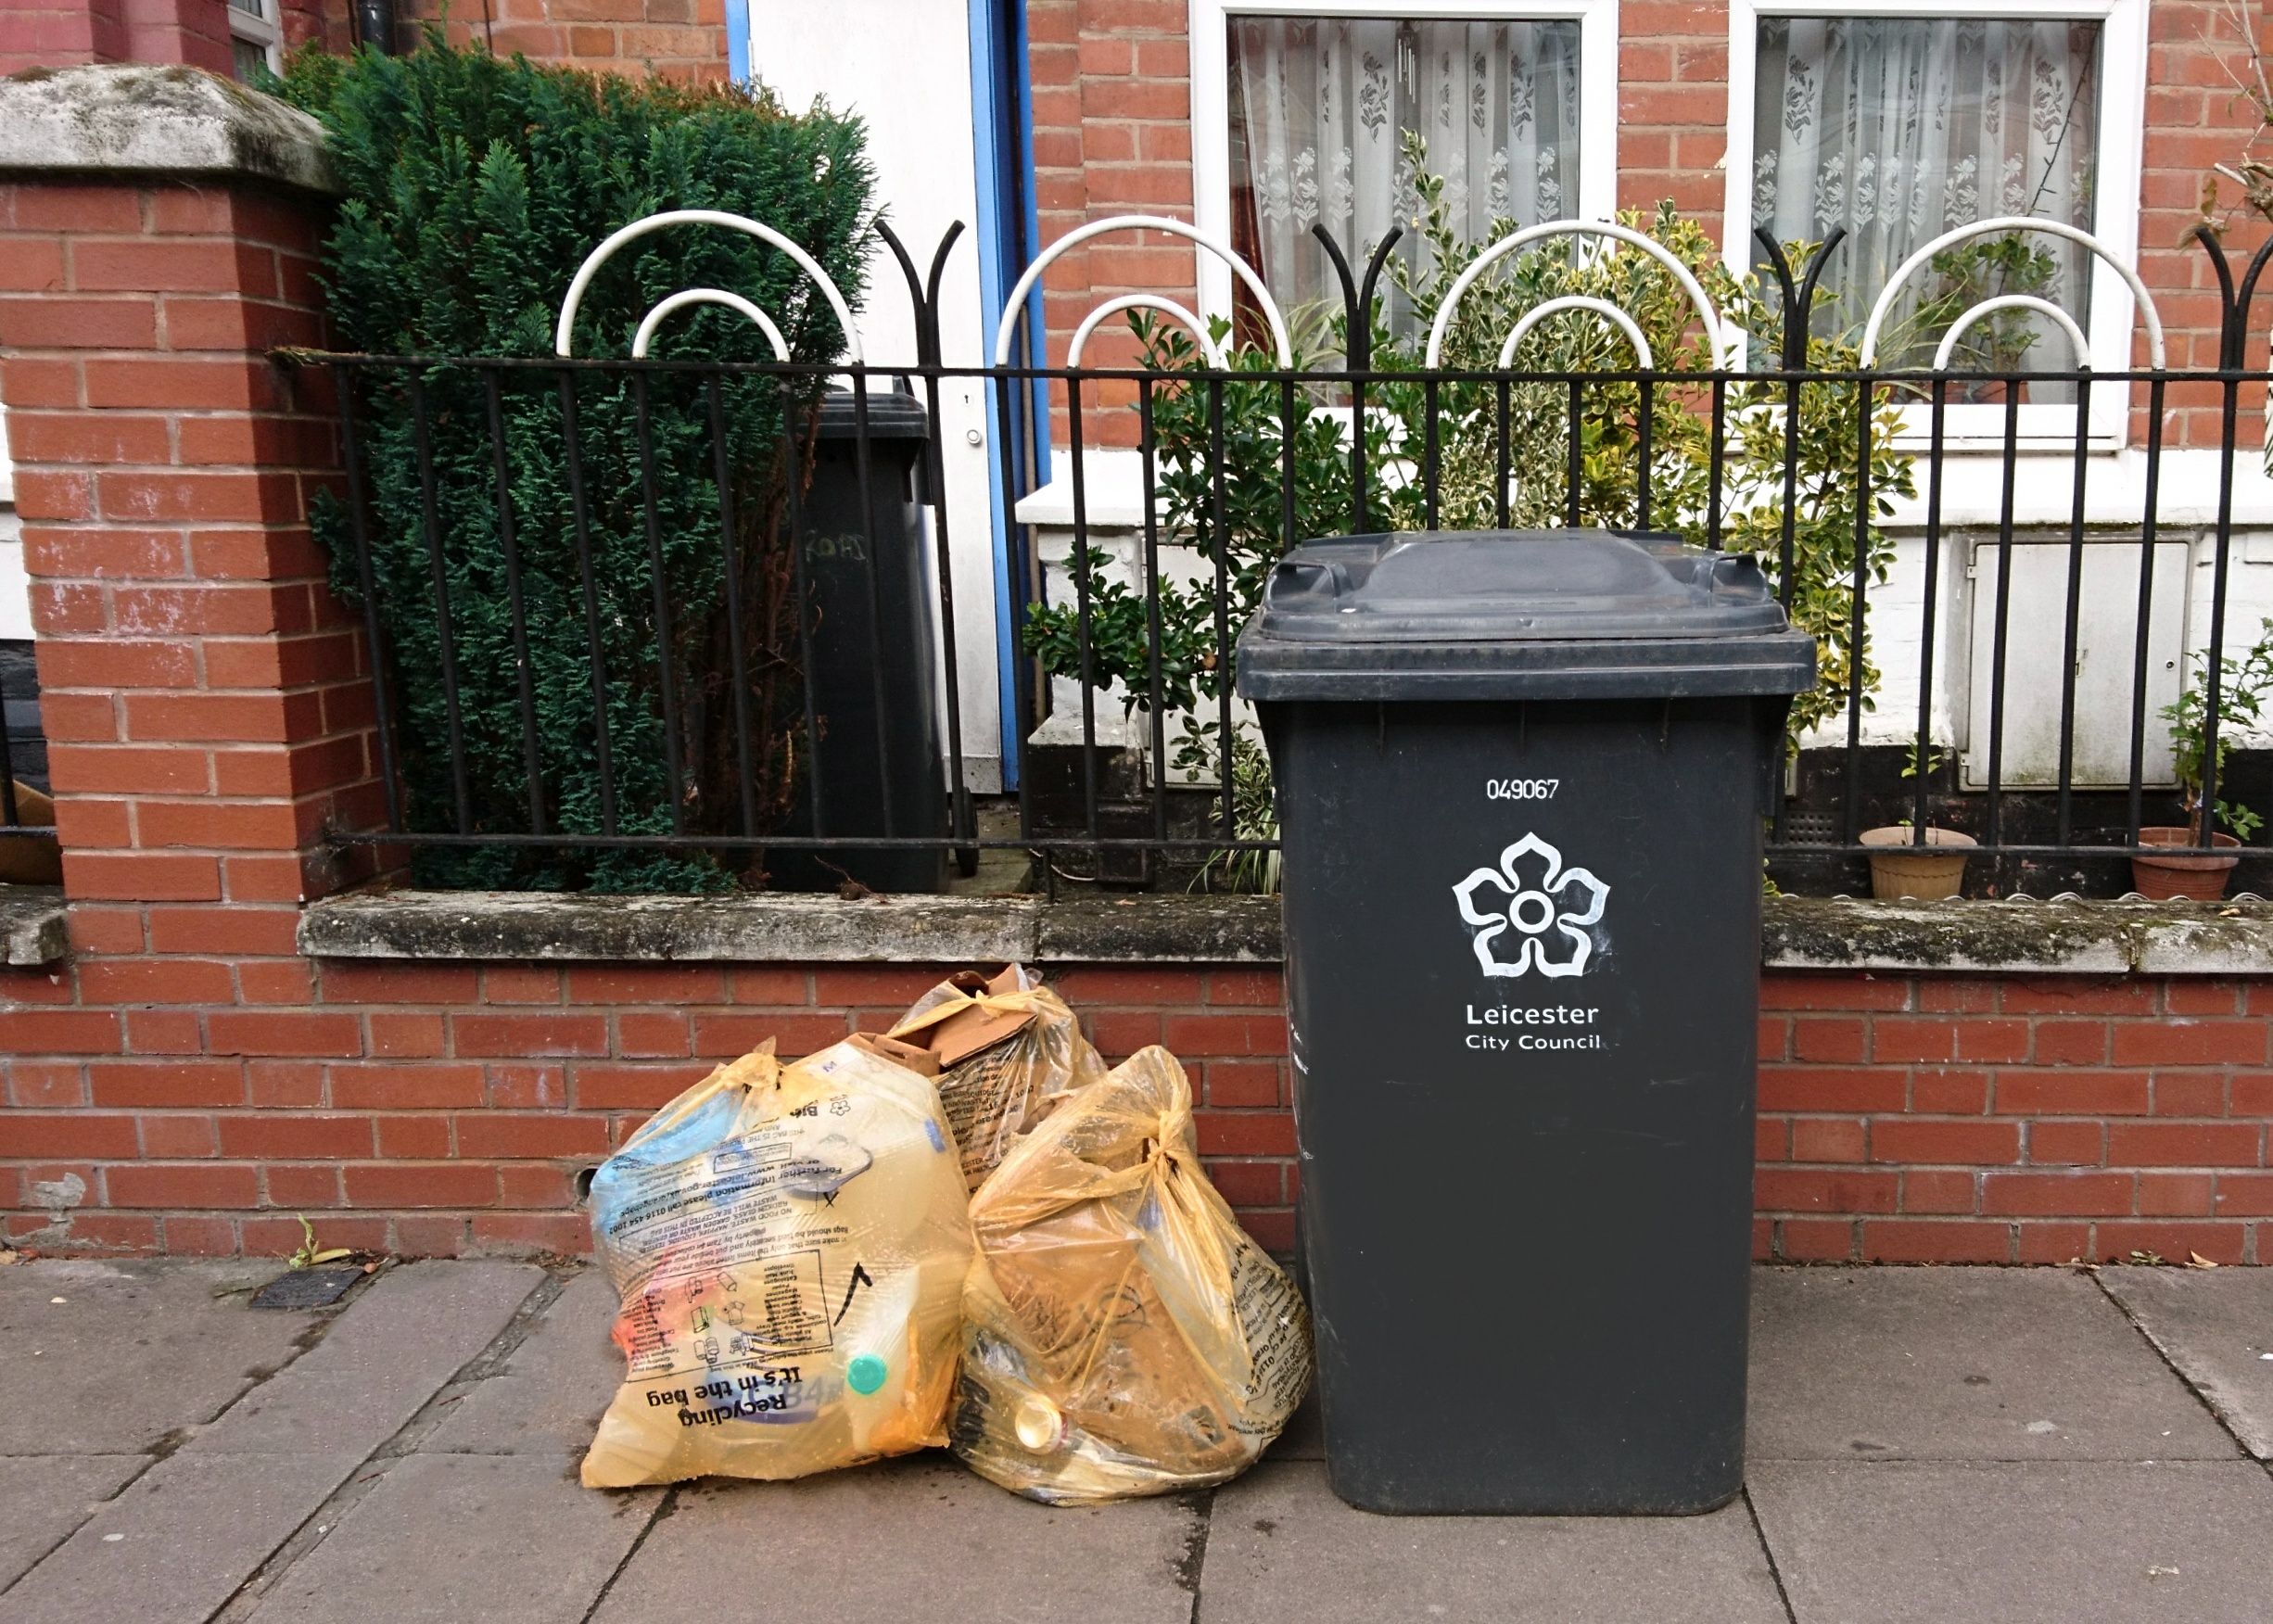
201	688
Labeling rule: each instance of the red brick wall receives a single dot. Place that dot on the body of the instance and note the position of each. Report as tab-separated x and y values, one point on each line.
1113	134
210	1088
206	1085
2196	118
683	38
60	34
65	33
1674	106
1953	1118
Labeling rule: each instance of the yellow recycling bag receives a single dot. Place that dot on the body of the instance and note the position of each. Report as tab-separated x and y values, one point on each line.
789	1244
1007	1049
1122	1334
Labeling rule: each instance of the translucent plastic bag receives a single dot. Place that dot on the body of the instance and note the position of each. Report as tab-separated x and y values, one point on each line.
789	1243
1122	1334
1007	1049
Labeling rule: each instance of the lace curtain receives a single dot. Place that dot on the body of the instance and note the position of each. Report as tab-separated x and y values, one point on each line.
1319	112
1901	128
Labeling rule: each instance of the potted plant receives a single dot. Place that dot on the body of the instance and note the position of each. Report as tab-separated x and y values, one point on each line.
2243	688
1925	870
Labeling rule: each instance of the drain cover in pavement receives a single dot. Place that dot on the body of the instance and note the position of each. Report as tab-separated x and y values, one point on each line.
308	1288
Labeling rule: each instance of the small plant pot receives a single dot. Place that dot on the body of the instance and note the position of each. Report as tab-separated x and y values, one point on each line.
1924	873
2202	878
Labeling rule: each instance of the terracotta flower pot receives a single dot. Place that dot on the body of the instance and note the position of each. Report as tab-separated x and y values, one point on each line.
1927	872
2203	878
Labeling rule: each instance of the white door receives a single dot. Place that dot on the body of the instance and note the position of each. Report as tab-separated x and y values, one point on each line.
904	66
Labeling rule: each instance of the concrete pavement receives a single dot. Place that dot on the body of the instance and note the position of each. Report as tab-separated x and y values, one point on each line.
1926	1444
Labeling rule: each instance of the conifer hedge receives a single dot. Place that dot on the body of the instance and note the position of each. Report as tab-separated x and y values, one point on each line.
473	189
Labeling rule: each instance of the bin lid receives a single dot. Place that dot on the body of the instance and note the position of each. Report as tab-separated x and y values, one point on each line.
1518	615
891	416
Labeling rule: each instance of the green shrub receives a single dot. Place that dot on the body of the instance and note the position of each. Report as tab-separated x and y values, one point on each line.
473	189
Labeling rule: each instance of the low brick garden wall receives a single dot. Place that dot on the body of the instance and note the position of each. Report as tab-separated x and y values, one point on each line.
2014	1119
439	1108
171	1088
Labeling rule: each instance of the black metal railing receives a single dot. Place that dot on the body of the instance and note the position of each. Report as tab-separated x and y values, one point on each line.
665	621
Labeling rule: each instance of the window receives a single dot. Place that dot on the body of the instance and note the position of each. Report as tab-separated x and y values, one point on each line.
256	37
1302	117
1905	120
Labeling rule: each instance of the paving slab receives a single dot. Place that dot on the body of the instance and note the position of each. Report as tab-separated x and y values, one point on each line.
42	1498
1961	1363
408	1333
1280	1546
134	1352
549	1397
178	1543
444	1539
919	1537
2020	1543
2217	1327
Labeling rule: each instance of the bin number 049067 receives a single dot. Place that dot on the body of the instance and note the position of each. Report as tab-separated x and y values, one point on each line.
1521	789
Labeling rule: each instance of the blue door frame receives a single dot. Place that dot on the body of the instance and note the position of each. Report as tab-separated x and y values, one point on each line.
1008	233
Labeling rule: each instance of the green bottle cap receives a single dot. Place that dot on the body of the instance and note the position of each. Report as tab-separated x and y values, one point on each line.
865	1373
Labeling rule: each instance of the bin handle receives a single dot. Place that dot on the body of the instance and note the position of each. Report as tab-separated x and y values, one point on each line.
1306	571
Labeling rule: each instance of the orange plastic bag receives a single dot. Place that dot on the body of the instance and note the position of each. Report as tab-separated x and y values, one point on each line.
789	1243
1006	1049
1123	1335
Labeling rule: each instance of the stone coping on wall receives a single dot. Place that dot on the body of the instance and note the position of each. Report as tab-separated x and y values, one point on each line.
106	119
793	929
2018	938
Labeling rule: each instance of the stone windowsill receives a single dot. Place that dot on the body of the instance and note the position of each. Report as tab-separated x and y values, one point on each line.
2022	937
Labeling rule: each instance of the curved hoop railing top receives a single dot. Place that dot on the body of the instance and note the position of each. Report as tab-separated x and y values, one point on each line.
1717	335
1884	307
563	333
1013	308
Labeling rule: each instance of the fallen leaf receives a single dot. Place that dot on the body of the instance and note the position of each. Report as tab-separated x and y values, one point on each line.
2160	1572
2194	1259
333	1255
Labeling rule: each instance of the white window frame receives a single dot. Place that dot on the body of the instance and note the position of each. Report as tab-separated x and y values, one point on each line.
1211	102
264	29
2112	318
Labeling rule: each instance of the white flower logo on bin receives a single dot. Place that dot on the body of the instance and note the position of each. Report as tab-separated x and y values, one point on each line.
1511	917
